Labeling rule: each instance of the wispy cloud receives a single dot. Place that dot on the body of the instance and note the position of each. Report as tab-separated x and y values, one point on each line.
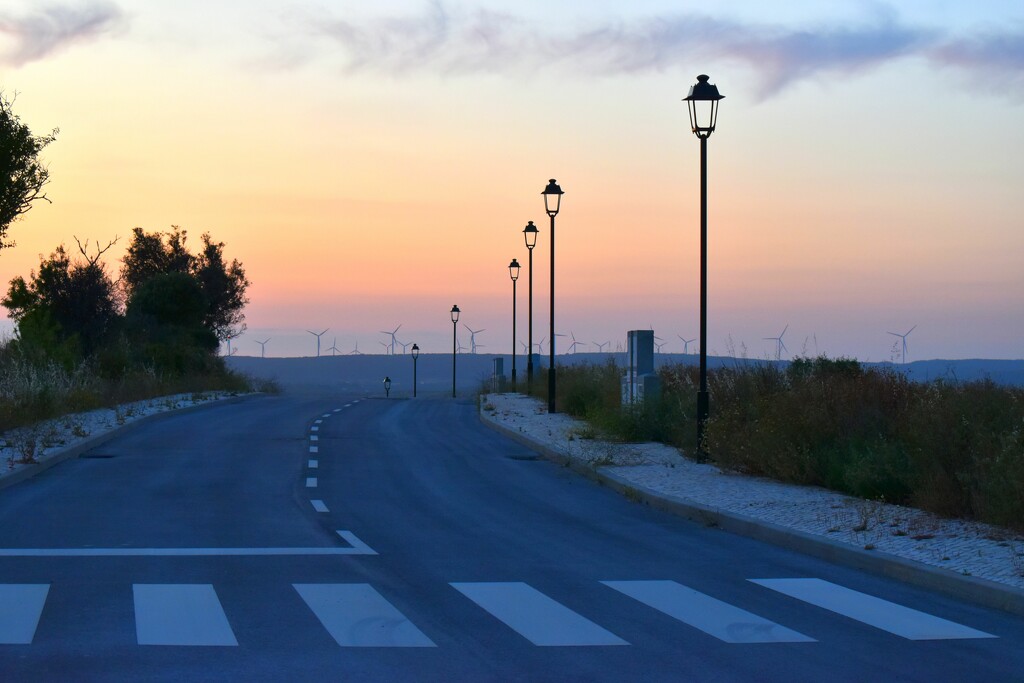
31	36
446	39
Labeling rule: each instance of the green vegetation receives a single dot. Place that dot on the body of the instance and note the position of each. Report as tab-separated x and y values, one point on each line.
84	341
22	174
953	448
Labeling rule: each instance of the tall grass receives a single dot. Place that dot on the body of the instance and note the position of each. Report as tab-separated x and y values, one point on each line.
954	448
32	390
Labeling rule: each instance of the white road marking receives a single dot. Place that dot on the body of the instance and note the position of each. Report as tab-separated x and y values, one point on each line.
337	410
356	615
319	506
882	614
349	404
326	415
180	614
313	464
314	437
358	548
318	422
310	482
535	616
716	618
315	428
314	449
21	605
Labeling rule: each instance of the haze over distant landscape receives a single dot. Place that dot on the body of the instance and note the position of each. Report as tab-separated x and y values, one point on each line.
372	164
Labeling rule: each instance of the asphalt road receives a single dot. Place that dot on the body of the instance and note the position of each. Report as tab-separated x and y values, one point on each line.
303	537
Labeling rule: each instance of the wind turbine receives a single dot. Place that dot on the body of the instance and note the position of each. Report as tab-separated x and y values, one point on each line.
526	347
386	348
392	335
404	346
228	340
472	338
356	351
904	338
686	343
540	345
659	346
263	347
318	339
572	347
334	347
780	345
600	345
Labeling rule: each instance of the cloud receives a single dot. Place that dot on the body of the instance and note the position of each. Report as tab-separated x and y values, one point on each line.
32	36
993	60
452	40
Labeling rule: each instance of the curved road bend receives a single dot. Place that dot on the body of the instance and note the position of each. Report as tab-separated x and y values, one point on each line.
286	538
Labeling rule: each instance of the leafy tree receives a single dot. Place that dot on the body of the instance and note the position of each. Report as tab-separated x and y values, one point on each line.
223	284
22	175
67	308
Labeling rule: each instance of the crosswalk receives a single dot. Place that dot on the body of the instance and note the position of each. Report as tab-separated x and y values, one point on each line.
358	615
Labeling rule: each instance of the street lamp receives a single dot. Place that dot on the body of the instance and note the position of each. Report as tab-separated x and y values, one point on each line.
530	234
513	272
415	355
455	331
552	201
703	105
387	387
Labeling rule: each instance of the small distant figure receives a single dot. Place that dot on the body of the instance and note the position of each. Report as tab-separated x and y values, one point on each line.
387	387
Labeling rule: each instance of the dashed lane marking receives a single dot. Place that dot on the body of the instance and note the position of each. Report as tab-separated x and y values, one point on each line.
314	437
310	482
319	506
314	449
313	464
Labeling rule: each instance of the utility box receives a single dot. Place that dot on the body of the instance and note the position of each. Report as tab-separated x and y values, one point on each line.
640	381
498	375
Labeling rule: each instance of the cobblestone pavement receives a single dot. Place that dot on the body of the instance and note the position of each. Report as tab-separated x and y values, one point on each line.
979	550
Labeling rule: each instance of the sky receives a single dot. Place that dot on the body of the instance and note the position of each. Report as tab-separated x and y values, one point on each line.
372	164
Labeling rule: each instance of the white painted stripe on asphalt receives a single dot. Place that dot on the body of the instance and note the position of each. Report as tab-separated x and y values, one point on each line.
358	548
180	614
314	437
310	482
21	605
315	428
349	404
326	415
535	616
337	410
319	506
714	617
318	422
356	544
314	449
356	615
882	614
314	464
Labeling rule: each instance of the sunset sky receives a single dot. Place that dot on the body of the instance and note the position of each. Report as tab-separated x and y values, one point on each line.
372	164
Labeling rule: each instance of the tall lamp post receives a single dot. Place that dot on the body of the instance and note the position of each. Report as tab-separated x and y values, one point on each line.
513	271
703	105
552	202
415	356
455	332
530	234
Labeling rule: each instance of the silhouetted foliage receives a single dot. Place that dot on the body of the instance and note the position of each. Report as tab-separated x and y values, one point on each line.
223	285
165	321
66	309
22	174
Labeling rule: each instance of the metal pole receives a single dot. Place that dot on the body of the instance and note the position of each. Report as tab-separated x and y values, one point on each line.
455	329
703	402
551	342
513	335
414	359
529	350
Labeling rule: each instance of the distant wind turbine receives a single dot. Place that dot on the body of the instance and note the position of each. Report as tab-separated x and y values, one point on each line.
333	348
572	347
356	351
387	349
263	347
540	345
393	339
904	338
228	340
526	347
600	345
780	346
472	338
686	343
318	339
404	346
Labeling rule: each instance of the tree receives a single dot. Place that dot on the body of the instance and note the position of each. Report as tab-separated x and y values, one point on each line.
223	285
68	307
22	174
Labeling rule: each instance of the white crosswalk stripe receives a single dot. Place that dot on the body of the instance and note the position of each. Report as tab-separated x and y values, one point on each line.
21	605
888	616
535	616
356	615
180	614
716	618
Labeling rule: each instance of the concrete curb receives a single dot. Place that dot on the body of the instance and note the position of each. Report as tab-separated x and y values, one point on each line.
969	588
73	451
